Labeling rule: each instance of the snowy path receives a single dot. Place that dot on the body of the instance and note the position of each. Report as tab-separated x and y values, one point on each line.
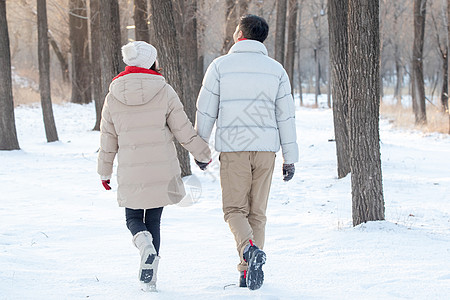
63	237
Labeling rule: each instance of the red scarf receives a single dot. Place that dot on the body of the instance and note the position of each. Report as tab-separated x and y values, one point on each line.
131	70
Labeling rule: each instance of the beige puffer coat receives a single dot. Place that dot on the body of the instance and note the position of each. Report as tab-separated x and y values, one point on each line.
140	117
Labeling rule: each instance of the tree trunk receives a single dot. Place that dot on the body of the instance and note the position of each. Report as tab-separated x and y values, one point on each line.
61	58
79	48
8	134
398	63
44	72
399	82
317	91
446	107
96	69
364	100
110	43
299	64
419	33
444	93
280	31
337	23
187	33
329	88
167	43
230	25
292	36
141	30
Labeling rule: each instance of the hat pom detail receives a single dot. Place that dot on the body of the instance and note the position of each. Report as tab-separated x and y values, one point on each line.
129	51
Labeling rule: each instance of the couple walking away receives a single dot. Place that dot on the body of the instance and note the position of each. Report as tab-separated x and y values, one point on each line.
247	95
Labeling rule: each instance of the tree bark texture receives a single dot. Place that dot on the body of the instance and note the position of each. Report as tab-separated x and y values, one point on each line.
337	23
44	72
168	44
280	31
141	30
187	35
110	43
418	77
292	36
79	48
8	133
364	100
96	69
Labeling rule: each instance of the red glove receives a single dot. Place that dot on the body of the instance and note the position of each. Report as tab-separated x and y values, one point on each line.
106	184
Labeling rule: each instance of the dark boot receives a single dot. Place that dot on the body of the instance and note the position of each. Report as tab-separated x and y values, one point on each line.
255	259
243	279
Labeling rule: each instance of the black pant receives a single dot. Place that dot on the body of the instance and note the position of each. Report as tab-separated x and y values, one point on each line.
136	223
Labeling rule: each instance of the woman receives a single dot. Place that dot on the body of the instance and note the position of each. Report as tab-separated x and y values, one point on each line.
140	117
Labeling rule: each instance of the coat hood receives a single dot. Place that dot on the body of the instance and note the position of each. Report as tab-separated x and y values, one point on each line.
136	88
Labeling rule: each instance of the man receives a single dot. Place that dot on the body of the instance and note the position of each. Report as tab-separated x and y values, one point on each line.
249	95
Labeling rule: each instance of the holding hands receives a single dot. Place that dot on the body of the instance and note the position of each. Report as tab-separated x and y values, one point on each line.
202	165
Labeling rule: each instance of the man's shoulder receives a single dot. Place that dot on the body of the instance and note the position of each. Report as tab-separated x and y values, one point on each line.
232	59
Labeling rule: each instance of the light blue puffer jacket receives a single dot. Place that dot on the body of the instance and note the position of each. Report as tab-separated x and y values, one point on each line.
249	95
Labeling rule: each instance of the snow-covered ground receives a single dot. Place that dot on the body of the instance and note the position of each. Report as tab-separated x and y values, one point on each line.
62	236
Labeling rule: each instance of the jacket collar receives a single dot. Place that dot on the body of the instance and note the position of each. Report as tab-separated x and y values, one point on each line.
132	69
248	46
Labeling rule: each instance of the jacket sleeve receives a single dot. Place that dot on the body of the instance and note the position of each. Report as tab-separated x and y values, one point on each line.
285	115
183	131
208	103
108	143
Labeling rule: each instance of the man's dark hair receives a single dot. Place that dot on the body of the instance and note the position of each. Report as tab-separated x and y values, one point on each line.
254	28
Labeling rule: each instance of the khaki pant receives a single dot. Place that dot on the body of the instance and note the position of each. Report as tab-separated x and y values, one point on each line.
246	178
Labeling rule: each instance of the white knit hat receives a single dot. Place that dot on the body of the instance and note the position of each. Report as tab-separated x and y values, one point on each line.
139	54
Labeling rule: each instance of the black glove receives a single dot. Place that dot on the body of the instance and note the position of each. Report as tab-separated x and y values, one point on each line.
202	165
288	171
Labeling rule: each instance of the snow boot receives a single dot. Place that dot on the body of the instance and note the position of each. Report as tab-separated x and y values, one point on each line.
151	286
243	279
255	259
149	260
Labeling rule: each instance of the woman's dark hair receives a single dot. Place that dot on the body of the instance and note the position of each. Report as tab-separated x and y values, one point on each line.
254	28
153	67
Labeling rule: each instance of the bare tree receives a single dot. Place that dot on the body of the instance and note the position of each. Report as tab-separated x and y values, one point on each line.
280	31
398	11
44	72
364	100
8	134
186	20
439	22
337	22
96	68
418	92
79	48
445	104
292	36
167	42
299	63
319	11
140	16
110	56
